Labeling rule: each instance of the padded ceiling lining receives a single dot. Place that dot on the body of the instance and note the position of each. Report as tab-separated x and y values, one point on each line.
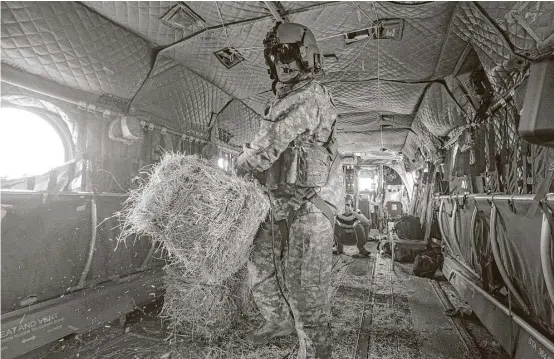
188	84
401	98
259	102
230	11
504	69
240	131
178	98
142	17
370	121
243	80
74	46
439	112
536	15
393	141
422	38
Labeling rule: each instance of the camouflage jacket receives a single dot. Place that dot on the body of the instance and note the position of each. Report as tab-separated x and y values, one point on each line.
304	109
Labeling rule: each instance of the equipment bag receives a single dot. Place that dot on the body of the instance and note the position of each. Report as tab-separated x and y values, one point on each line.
408	227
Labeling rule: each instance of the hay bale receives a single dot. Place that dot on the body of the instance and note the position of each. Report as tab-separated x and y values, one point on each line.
205	217
206	220
199	310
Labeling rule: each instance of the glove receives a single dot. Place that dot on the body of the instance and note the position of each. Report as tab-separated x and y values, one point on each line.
241	172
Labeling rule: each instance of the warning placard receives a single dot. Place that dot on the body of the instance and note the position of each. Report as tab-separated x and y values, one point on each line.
32	330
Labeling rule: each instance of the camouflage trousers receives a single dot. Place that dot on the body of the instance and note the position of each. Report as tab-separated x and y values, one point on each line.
290	278
350	237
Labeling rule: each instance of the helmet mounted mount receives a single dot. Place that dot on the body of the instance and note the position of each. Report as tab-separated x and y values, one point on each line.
289	42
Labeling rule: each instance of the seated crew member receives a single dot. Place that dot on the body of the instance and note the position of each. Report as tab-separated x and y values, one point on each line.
349	231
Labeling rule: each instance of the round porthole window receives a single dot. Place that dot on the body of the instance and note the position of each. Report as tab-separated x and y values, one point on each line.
29	144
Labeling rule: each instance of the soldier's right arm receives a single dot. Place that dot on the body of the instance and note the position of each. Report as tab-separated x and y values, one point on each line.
295	115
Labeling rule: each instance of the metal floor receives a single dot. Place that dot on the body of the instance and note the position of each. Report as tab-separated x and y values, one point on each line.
403	317
378	312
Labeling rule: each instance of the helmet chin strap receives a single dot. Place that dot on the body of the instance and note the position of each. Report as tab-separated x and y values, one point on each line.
289	70
292	79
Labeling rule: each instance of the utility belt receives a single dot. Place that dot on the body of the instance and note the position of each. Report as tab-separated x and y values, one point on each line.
308	195
302	196
302	170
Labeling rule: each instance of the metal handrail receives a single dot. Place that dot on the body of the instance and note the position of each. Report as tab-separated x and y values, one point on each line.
498	259
498	197
546	253
518	320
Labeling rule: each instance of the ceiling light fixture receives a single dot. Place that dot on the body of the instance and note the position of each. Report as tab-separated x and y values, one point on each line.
390	29
229	57
182	17
330	59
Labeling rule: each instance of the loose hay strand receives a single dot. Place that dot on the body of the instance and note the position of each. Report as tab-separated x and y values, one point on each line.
206	220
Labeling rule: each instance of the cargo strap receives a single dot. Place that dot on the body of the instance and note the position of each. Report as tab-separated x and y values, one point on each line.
300	198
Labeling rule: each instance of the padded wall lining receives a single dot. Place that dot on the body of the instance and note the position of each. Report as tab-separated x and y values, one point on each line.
180	99
239	121
68	43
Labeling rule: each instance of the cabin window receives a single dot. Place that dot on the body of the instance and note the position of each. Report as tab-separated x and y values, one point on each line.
29	144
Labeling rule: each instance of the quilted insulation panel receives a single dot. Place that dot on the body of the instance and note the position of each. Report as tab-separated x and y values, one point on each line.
423	36
245	79
392	140
439	112
410	147
190	90
216	13
384	96
178	98
236	124
529	25
142	17
72	45
427	142
503	67
371	121
259	102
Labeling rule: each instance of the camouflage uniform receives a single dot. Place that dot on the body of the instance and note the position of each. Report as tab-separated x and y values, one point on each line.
292	275
350	233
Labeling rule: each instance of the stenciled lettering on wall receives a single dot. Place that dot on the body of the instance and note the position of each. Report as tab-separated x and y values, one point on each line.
27	330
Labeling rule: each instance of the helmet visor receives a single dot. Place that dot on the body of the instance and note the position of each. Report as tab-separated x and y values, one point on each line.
284	53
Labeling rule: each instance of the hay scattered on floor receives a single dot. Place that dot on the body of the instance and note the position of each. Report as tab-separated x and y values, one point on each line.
206	220
207	311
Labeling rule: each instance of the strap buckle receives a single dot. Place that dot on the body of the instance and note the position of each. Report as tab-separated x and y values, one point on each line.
295	202
309	194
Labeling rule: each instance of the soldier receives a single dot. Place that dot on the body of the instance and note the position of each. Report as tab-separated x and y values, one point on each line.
349	231
295	155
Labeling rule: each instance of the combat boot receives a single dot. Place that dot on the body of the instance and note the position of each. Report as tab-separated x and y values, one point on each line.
269	331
